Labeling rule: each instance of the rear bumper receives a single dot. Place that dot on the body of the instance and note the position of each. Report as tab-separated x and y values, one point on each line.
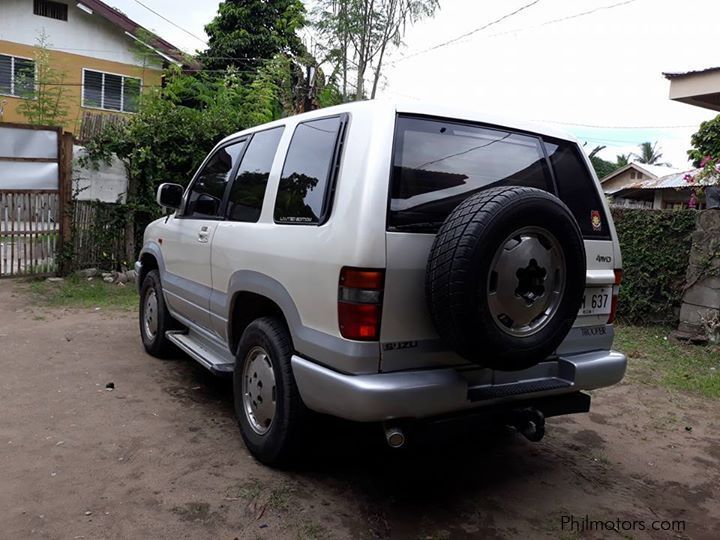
427	393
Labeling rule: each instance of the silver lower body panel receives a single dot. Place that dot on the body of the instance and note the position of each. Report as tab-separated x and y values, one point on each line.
426	393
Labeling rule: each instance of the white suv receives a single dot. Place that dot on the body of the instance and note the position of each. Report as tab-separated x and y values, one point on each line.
385	263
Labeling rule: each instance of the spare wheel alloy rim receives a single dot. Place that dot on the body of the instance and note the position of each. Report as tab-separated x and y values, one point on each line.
258	390
526	282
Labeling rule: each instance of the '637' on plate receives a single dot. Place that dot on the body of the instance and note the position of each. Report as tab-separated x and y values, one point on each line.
597	301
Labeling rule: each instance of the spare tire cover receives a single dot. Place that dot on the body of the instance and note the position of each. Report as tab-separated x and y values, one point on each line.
506	276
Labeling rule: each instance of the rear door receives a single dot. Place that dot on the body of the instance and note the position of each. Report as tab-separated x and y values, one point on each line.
187	236
437	164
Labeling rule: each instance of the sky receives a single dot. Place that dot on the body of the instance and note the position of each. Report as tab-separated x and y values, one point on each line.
598	76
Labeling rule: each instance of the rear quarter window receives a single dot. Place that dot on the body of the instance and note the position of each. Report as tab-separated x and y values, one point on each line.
439	163
304	193
576	188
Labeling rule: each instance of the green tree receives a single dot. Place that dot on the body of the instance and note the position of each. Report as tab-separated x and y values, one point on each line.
357	35
177	126
44	89
602	167
706	142
247	33
621	160
649	154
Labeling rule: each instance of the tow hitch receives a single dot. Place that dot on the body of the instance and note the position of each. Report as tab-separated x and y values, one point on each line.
530	422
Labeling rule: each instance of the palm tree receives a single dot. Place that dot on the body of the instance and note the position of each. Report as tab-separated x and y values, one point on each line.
622	159
649	154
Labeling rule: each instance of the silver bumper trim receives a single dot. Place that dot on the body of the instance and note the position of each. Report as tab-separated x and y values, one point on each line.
420	394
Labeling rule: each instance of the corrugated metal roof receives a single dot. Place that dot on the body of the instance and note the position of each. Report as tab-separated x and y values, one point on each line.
678	75
670	181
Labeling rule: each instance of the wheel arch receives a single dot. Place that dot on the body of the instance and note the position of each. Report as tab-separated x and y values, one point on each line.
253	295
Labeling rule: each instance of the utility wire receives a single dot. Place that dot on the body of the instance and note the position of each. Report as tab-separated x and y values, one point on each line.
467	34
169	21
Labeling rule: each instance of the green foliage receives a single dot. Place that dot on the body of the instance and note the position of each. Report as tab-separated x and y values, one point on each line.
655	359
706	142
246	33
655	248
176	128
621	160
45	102
602	167
76	292
356	35
649	154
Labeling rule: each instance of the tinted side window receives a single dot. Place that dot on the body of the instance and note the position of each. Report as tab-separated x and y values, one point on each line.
438	164
206	193
248	189
576	188
301	196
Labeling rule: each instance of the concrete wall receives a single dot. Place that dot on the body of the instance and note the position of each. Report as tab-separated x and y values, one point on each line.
702	298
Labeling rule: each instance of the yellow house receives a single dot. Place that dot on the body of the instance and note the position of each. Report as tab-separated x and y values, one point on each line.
97	49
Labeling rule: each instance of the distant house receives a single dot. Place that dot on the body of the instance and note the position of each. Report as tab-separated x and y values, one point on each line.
639	185
93	44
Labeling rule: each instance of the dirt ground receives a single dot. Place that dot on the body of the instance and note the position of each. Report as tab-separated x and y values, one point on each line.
160	456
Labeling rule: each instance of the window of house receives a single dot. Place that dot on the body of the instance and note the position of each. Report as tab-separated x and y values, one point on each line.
248	189
53	10
207	192
17	76
110	92
304	193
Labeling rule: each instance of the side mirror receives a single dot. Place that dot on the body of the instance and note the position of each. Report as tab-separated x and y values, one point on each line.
170	195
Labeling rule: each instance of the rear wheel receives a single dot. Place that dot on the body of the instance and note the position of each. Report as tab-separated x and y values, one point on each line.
155	319
269	410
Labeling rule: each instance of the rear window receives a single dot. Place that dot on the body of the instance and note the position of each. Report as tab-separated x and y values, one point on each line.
437	164
576	188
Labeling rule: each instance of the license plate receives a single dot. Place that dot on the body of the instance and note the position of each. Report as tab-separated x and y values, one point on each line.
597	301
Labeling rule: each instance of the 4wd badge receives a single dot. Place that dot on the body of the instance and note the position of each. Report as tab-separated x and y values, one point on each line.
596	220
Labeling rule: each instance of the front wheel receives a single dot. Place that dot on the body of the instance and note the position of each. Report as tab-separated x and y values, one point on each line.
269	410
155	319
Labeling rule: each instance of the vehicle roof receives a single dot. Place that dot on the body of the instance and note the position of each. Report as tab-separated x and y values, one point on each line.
384	106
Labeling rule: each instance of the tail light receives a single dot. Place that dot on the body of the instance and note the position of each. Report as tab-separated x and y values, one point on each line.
616	291
360	303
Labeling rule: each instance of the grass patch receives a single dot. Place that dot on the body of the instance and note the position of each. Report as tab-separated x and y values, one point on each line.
77	292
656	359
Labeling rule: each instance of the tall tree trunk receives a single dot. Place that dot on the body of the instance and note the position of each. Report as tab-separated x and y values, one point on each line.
378	69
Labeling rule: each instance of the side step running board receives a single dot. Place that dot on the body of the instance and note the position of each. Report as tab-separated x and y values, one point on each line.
208	358
482	393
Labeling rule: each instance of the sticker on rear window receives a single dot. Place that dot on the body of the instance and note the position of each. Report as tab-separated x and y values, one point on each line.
596	220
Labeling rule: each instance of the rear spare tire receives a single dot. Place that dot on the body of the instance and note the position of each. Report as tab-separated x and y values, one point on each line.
505	277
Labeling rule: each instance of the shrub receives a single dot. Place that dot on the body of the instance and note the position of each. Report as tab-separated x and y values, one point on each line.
655	248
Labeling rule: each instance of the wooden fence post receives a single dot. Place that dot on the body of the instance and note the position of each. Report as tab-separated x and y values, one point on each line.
65	196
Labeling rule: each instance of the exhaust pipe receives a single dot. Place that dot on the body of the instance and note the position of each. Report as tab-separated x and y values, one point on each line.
394	437
531	423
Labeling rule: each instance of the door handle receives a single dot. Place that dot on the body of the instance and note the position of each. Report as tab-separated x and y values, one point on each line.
203	235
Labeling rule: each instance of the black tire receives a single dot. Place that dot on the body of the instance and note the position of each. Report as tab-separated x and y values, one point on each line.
459	267
156	344
280	444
